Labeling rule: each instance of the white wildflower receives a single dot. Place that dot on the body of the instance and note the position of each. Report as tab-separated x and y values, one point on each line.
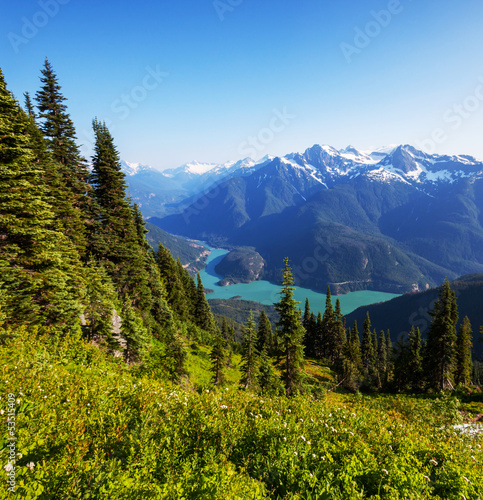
8	467
31	465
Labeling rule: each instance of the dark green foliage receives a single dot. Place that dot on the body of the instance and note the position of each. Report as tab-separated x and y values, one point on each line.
310	325
100	303
268	379
249	366
265	334
414	364
60	135
218	357
203	315
175	289
59	130
175	358
463	353
39	265
290	334
29	108
441	346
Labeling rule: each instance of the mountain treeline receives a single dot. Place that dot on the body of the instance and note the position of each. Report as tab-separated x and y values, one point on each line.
73	251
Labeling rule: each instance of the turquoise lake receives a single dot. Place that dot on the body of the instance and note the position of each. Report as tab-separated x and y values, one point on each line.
268	293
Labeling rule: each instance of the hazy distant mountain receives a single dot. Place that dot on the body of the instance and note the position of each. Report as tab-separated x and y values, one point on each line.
400	314
393	219
163	192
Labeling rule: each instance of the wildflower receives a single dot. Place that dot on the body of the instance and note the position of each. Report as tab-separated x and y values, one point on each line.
295	453
322	458
385	471
314	456
284	438
45	397
301	419
433	461
1	412
31	465
223	407
309	443
8	467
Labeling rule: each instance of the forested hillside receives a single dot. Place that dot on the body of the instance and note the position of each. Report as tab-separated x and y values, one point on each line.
121	383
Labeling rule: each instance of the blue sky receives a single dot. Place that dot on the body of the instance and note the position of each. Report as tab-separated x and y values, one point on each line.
215	80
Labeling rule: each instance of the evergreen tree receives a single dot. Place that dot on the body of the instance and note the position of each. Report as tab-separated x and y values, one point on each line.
390	360
249	367
414	360
169	271
367	346
39	267
59	131
441	343
268	380
204	317
100	301
218	357
265	334
463	353
328	326
290	332
381	359
29	108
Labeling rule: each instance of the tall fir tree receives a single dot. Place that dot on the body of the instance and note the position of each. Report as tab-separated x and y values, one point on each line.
265	333
464	344
367	346
59	132
441	343
291	332
218	356
414	361
204	317
39	266
249	354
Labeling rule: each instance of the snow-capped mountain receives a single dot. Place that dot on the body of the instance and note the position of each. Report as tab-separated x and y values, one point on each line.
391	219
130	168
159	192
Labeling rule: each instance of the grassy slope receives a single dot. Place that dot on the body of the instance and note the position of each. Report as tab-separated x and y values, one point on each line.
95	428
